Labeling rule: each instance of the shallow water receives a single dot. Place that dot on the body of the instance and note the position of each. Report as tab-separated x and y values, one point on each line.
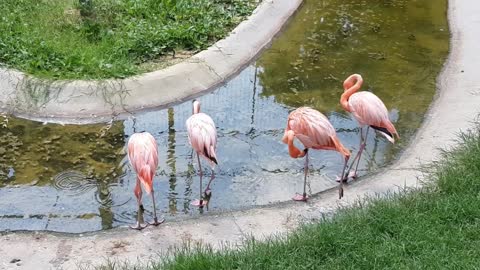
76	178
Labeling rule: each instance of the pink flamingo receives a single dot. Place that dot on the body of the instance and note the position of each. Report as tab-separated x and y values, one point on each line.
143	156
202	135
369	110
313	130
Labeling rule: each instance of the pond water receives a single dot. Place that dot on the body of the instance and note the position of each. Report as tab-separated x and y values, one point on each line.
76	178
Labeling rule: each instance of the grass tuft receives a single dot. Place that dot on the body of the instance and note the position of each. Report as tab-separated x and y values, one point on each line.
97	39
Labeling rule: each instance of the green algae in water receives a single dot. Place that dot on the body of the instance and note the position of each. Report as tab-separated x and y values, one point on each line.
33	153
398	46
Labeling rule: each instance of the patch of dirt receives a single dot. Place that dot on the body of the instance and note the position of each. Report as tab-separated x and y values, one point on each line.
166	60
119	247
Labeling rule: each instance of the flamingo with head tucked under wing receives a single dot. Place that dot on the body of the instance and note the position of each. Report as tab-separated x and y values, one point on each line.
202	135
143	156
313	130
369	111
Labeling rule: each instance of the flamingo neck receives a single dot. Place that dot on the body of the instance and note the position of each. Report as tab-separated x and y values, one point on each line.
292	149
351	85
196	107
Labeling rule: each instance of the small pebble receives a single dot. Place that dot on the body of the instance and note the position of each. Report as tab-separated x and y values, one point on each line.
15	260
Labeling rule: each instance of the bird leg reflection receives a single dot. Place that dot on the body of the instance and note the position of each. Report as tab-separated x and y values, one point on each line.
140	222
208	185
199	203
208	196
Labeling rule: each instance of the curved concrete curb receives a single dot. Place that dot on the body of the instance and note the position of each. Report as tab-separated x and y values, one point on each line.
456	105
84	101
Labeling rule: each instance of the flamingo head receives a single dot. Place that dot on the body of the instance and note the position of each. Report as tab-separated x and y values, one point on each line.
353	80
292	150
196	106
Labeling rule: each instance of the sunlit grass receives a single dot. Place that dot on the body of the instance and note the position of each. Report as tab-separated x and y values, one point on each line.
94	39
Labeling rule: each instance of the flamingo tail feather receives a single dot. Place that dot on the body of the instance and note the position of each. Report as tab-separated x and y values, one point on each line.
385	132
340	148
210	154
146	177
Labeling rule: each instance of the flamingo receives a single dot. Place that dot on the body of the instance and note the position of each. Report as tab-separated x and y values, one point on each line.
202	136
143	156
369	111
313	130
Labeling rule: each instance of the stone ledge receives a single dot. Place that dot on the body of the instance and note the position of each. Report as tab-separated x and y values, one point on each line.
99	101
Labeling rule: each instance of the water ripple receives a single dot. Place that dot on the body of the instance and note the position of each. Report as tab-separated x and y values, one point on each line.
77	183
74	182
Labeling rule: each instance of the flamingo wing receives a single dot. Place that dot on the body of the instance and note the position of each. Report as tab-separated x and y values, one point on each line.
311	127
202	135
368	109
314	130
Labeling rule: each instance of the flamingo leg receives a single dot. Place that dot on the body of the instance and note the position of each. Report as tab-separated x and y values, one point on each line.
303	197
155	219
207	194
140	222
199	203
340	188
363	143
211	179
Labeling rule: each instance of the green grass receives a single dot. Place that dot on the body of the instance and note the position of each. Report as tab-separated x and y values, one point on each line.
436	227
96	39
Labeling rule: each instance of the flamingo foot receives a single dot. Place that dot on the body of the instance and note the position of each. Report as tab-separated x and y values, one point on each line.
300	197
139	226
344	179
156	222
199	203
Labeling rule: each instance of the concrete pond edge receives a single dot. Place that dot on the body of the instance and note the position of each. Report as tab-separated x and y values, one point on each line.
455	108
80	102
